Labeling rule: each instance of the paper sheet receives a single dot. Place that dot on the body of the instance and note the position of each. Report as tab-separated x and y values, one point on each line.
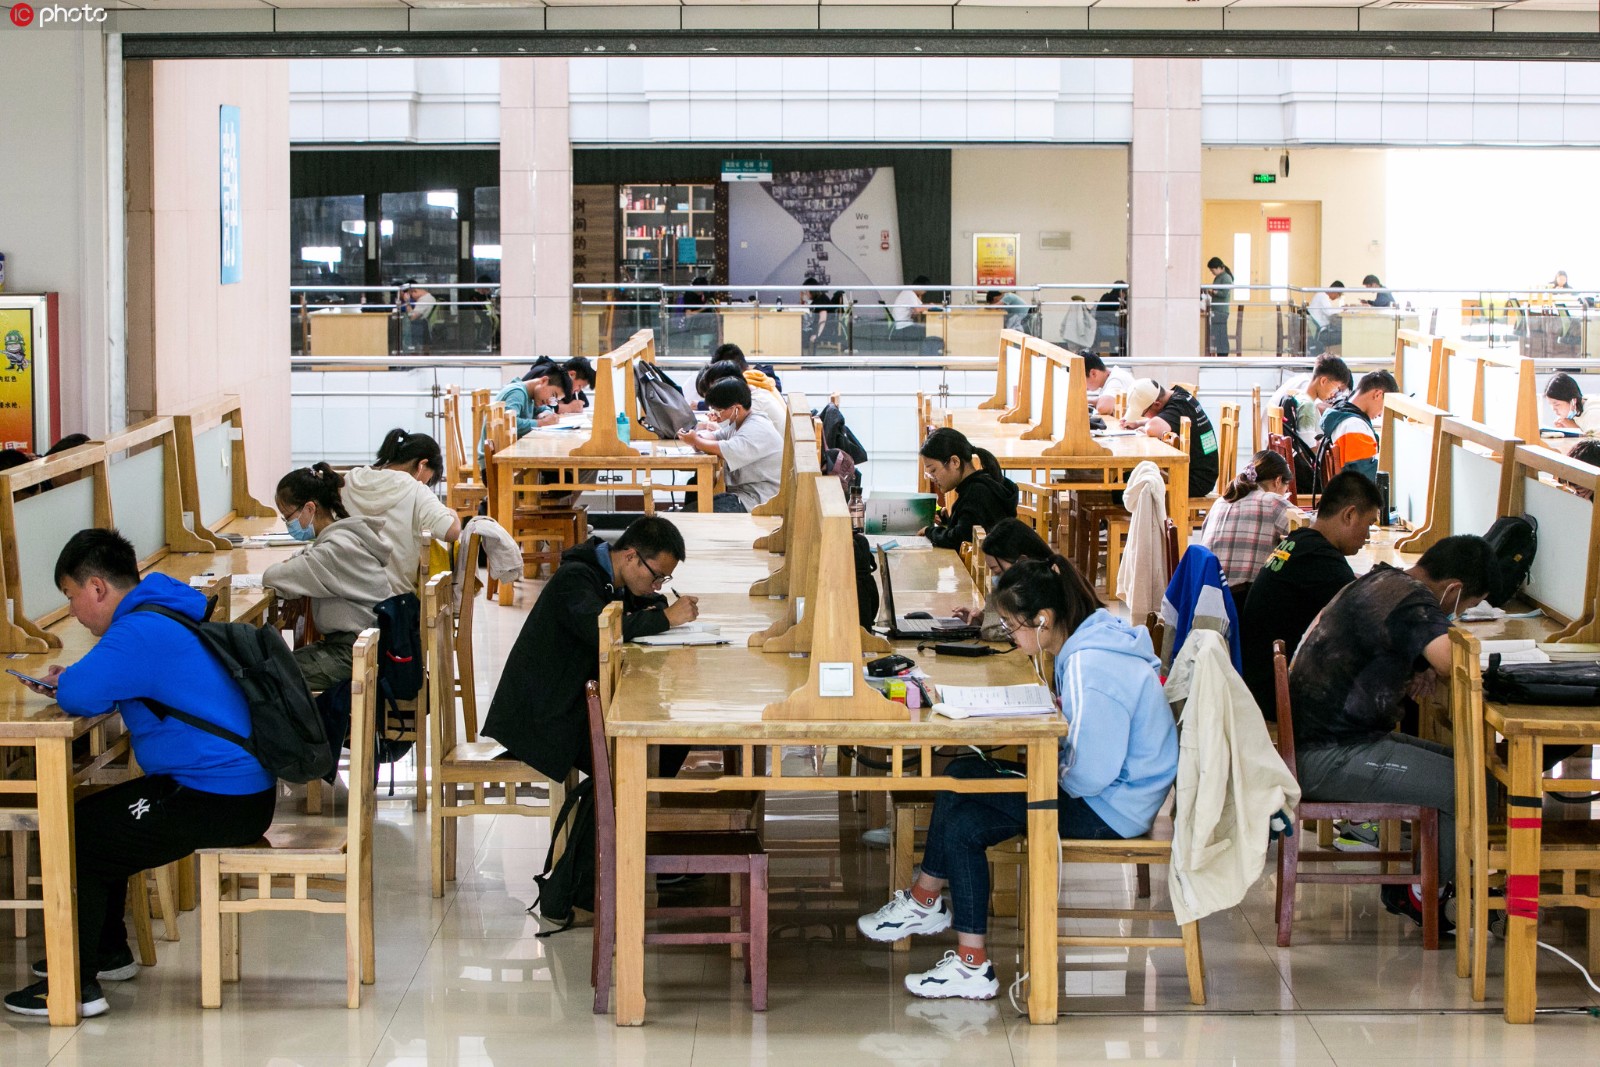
690	633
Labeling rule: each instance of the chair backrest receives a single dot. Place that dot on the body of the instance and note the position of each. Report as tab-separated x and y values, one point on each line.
491	473
363	772
1277	442
1255	419
605	805
1227	447
439	659
1280	679
610	651
1170	536
1274	423
480	411
467	553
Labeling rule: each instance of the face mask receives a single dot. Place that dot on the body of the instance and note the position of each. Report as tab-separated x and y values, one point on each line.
1455	612
299	532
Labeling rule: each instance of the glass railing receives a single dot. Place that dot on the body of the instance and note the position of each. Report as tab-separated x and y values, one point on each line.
436	319
793	322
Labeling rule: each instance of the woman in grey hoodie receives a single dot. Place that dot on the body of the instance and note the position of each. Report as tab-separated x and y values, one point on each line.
342	572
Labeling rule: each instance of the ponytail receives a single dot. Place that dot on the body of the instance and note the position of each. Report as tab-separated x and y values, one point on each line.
1264	466
319	485
402	449
1030	588
990	465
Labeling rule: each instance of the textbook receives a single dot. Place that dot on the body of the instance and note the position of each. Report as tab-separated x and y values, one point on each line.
1512	651
690	633
996	701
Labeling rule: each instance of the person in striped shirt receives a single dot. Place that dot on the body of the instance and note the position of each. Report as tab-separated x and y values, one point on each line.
1348	435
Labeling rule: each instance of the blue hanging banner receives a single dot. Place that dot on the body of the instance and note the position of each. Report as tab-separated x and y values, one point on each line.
232	209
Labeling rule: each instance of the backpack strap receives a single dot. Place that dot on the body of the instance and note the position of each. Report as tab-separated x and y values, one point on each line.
163	710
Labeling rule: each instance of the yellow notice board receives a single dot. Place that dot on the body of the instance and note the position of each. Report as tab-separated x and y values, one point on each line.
16	379
994	258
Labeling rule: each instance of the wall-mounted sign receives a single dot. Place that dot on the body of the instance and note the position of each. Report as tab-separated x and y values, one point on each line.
1265	179
747	170
1277	225
994	258
30	379
232	216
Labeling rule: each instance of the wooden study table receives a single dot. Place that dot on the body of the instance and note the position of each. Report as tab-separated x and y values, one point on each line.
714	696
539	452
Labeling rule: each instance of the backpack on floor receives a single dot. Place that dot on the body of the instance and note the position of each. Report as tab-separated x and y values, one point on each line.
286	731
567	882
1515	540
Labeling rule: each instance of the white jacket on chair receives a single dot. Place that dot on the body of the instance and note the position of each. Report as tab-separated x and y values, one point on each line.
1231	782
1142	578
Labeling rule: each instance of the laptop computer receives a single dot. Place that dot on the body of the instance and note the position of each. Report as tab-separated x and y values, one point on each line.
950	629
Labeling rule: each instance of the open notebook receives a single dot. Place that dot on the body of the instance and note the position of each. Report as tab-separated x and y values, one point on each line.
993	701
690	633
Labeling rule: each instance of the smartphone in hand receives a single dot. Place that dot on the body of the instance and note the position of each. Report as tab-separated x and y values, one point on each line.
40	682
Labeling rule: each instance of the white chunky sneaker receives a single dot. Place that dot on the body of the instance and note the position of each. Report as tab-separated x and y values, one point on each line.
952	978
903	916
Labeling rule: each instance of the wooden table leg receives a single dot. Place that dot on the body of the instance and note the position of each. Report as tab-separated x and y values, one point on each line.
703	500
631	773
1178	501
56	863
505	500
1523	816
1044	868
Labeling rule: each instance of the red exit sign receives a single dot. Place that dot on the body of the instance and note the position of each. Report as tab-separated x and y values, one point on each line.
1277	225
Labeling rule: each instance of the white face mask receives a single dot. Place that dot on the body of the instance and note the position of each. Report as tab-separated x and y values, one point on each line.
1455	612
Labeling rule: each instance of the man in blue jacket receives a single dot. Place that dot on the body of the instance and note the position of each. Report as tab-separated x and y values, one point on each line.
198	790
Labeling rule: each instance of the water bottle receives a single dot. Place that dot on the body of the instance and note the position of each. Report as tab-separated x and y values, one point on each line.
624	431
2	272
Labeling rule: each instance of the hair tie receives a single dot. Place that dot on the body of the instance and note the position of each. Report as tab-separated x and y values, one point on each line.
1249	473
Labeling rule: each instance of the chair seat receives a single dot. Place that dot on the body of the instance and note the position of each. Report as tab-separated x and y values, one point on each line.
699	812
1356	811
730	843
482	761
303	837
18	811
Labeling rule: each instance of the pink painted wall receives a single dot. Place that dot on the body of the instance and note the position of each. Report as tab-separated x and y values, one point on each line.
191	338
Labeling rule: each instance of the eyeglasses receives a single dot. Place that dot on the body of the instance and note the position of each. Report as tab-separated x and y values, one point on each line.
657	579
1010	630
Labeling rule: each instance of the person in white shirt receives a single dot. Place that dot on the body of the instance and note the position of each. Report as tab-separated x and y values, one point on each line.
397	491
907	310
417	304
1572	412
749	444
1109	382
1323	310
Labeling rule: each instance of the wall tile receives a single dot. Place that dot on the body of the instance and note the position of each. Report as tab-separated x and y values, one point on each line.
1405	76
1494	79
441	122
628	125
712	74
305	75
804	120
441	74
1077	76
1359	123
483	75
807	74
1582	78
992	75
305	120
1360	77
1036	120
344	76
669	120
1449	77
897	120
390	120
588	75
1313	75
1539	124
400	76
1219	124
1113	122
896	75
1114	76
1405	122
992	120
849	121
762	120
1074	122
1581	124
588	120
943	120
1494	122
1449	123
1040	75
1261	124
1219	77
343	121
710	120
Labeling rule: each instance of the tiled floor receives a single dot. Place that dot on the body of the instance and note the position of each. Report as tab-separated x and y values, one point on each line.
465	981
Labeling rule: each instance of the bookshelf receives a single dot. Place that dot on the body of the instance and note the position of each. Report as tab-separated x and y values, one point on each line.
656	220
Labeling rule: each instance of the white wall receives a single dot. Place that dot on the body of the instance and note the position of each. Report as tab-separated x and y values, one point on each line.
811	100
1352	184
54	193
420	101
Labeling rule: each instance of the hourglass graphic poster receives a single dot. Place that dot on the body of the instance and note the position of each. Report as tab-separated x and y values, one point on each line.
840	227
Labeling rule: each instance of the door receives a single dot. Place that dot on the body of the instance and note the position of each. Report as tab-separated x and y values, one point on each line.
1275	243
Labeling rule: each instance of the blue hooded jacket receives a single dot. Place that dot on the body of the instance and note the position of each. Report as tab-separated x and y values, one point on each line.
1121	750
144	654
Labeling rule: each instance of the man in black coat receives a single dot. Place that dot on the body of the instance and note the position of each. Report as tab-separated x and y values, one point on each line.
538	711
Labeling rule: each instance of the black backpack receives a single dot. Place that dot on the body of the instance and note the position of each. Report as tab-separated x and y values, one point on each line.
286	731
866	584
1571	684
567	883
400	668
1515	539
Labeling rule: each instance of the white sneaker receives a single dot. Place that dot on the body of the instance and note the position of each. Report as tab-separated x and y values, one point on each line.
903	916
878	838
952	978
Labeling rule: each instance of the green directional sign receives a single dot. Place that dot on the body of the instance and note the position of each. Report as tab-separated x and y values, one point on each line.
747	170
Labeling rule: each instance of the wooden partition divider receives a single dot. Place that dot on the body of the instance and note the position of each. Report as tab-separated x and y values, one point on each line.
1565	578
1419	366
835	689
972	557
151	469
813	582
614	394
1407	448
197	442
799	414
1470	482
1074	437
1007	372
1505	395
42	504
1028	402
806	471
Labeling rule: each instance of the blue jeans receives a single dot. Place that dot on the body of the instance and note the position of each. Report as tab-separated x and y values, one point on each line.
727	503
966	825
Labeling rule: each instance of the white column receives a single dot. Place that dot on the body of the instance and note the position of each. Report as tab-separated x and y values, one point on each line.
1164	208
535	209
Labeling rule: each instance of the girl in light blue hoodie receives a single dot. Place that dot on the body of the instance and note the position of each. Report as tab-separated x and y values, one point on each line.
1117	764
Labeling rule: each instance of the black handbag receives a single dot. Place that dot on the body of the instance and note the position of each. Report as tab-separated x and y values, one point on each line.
662	408
1573	684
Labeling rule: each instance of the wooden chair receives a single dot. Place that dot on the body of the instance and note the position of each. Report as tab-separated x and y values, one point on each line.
1255	419
332	857
1567	848
737	854
1425	835
468	552
543	532
464	489
1227	460
466	777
